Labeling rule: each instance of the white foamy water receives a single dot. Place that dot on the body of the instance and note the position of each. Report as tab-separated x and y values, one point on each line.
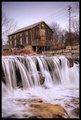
21	83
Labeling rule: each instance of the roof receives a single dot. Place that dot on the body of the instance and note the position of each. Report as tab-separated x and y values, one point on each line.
27	27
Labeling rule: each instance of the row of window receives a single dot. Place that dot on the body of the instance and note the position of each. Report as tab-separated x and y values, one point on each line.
26	33
19	34
21	41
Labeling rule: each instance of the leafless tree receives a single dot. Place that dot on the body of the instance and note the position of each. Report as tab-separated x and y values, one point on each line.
8	26
58	35
76	5
75	17
75	26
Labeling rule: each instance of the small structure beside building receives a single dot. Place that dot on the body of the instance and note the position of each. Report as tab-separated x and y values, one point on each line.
5	47
39	36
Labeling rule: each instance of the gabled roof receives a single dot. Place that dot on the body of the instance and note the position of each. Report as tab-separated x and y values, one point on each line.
27	27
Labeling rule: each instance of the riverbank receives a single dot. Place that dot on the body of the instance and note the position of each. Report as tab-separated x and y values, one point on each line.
70	52
27	50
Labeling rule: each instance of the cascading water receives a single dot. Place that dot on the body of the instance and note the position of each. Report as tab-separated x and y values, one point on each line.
39	76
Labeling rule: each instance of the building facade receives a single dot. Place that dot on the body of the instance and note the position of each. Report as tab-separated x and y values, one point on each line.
39	36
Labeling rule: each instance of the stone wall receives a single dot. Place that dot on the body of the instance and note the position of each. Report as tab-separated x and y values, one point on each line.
70	51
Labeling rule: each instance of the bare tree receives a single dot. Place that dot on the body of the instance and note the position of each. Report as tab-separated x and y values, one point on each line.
75	26
8	26
57	31
76	5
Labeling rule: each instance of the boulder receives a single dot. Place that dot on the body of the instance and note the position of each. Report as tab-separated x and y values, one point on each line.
70	62
42	109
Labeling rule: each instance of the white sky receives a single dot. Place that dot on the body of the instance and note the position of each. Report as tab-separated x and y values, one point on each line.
27	13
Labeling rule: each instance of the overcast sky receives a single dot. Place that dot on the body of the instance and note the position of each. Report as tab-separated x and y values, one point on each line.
27	13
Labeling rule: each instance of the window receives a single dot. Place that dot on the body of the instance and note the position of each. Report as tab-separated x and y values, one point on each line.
10	37
26	32
42	25
20	34
14	36
10	42
21	41
43	38
42	32
26	40
15	42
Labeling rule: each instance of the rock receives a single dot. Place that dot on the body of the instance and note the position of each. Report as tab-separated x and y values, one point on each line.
59	46
75	112
19	84
63	46
70	62
69	54
76	60
42	78
69	47
76	47
75	51
76	57
66	51
60	51
36	100
41	109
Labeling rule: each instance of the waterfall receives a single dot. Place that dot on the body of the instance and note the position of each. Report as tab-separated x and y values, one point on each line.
27	70
38	77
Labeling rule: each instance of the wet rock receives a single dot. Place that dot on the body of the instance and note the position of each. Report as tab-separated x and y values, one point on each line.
76	57
42	78
70	62
19	84
40	109
75	112
36	100
76	61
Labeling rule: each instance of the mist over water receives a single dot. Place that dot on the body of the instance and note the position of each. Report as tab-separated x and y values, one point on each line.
48	78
